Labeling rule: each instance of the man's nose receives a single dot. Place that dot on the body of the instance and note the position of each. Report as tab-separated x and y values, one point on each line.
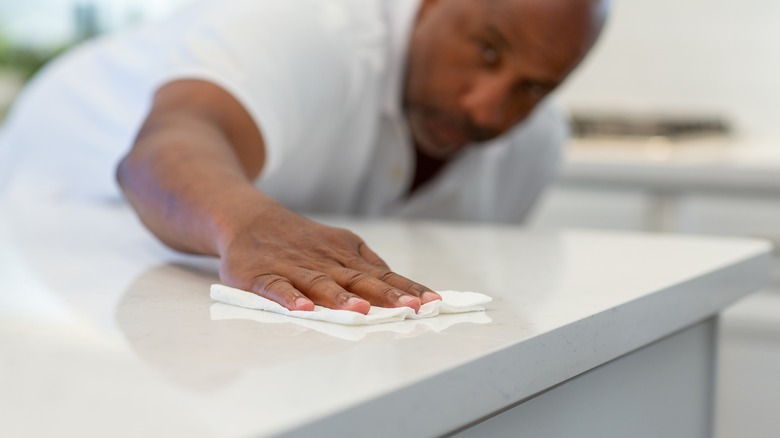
489	103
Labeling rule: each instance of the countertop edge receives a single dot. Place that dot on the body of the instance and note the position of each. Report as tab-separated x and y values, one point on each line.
470	392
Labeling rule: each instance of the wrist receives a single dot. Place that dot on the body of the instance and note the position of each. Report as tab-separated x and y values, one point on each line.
243	210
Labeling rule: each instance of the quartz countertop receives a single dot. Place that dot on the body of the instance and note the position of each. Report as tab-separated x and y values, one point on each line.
105	332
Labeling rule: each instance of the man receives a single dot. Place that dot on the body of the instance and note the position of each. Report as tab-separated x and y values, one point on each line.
369	107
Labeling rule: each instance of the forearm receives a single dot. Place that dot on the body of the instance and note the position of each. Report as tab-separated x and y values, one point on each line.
189	176
187	185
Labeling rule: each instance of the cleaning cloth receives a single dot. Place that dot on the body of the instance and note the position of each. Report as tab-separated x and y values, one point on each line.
452	302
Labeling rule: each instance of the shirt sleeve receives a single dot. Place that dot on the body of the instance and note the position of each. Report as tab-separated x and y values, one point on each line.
287	62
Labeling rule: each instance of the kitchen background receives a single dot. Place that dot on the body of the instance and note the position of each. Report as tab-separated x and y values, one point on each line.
678	119
676	116
33	31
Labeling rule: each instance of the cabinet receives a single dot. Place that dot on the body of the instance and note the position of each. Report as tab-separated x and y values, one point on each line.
721	190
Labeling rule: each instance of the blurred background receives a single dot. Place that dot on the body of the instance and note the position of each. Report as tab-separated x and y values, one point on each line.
676	129
34	31
676	117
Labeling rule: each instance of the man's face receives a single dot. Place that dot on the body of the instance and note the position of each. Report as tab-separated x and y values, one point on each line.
477	67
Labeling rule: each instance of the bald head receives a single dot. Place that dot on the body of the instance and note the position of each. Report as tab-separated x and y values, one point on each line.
476	68
567	27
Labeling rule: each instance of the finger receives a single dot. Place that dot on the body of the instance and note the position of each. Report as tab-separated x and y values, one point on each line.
376	291
371	257
325	291
384	274
280	290
426	294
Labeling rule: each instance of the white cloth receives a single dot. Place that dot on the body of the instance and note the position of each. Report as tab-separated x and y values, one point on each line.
400	329
321	78
452	302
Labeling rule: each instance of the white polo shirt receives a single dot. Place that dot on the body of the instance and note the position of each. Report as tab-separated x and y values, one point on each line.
321	78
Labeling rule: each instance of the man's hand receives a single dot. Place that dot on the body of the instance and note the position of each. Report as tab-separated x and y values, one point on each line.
189	178
298	263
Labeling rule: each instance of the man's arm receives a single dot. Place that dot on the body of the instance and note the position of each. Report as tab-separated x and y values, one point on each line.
189	178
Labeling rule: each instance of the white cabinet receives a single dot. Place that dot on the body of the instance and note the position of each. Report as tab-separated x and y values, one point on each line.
598	190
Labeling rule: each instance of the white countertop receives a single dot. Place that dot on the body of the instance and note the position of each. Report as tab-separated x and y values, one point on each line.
103	332
735	164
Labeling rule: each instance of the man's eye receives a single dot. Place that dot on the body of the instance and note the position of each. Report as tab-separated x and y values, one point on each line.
488	53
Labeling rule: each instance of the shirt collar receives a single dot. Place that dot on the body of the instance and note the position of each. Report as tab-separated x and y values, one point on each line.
401	15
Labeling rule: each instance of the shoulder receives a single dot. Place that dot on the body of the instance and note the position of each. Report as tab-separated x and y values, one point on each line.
300	40
299	20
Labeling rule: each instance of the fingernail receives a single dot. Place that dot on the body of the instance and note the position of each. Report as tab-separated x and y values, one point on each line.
429	296
302	303
360	305
354	301
409	301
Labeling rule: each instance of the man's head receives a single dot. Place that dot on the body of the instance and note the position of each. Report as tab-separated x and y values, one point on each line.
477	67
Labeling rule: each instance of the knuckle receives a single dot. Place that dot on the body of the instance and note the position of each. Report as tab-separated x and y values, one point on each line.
362	246
386	275
389	293
349	234
270	281
372	258
342	233
417	289
352	278
316	279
